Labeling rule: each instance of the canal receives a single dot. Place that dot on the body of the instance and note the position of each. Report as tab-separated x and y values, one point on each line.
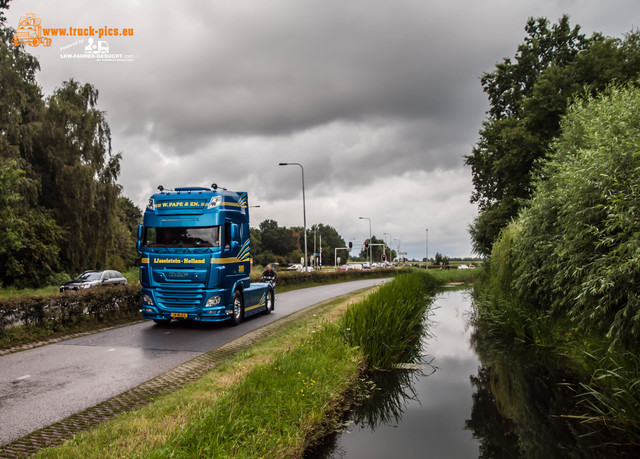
420	411
471	394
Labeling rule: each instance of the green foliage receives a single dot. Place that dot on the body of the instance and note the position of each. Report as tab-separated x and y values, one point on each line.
128	217
388	324
330	239
578	250
27	318
59	205
613	393
78	172
273	244
29	238
376	250
279	408
573	255
276	240
441	260
528	98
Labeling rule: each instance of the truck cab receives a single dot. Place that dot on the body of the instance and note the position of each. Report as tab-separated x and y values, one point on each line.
195	257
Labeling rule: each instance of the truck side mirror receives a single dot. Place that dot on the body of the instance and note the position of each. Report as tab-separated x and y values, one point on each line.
235	236
139	241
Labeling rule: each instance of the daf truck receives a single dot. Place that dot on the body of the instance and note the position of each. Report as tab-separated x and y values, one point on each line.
195	257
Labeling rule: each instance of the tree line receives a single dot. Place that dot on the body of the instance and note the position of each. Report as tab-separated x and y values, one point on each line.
271	243
61	208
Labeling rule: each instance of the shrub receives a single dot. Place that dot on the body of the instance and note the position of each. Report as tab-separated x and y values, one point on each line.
575	249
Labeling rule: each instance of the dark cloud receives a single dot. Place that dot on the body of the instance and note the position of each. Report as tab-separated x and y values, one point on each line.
379	100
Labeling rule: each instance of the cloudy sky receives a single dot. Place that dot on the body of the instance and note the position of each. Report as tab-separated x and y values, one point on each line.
378	100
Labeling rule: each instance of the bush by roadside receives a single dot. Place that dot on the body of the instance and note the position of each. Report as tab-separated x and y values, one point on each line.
31	318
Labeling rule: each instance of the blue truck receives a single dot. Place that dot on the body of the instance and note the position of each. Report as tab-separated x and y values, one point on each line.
194	244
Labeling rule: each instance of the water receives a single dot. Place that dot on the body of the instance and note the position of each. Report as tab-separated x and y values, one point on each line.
421	413
479	395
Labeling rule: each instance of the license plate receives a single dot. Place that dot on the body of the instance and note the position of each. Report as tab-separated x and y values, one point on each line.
179	314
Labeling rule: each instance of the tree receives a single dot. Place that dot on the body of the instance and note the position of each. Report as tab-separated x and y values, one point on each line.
29	237
78	174
528	99
61	208
376	250
330	240
504	158
277	240
128	217
441	259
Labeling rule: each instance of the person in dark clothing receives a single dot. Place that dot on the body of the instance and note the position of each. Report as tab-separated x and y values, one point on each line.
269	274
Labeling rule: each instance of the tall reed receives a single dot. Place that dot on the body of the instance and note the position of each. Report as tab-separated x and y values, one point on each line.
388	324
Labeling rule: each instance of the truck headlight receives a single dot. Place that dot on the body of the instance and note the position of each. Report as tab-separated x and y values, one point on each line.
213	301
214	202
146	299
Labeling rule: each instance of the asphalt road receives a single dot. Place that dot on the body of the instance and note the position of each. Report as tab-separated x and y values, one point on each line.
44	385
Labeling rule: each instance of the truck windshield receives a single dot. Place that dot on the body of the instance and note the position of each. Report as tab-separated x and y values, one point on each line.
182	237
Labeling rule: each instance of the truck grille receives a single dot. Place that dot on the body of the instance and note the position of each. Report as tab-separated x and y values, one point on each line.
180	297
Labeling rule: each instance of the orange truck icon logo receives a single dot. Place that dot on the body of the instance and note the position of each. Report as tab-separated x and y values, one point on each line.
29	32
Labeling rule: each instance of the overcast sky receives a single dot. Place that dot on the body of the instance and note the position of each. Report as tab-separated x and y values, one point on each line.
378	100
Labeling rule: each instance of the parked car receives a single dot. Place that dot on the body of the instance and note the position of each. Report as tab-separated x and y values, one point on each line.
295	267
343	268
90	279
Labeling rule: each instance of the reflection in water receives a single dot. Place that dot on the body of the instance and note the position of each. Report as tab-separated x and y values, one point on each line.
489	398
523	404
421	412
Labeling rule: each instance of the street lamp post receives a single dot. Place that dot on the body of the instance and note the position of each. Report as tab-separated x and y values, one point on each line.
304	211
427	248
370	241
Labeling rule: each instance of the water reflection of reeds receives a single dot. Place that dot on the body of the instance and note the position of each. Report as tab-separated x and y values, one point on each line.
524	405
391	326
389	394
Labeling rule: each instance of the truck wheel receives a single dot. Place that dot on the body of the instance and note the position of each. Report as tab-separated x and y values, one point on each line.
238	308
269	303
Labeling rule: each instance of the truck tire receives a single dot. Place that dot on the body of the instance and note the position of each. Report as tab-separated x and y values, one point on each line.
238	308
269	303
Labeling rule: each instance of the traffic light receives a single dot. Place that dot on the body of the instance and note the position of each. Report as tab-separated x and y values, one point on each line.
384	257
350	245
366	245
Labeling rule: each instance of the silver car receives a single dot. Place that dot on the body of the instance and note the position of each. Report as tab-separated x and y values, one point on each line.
90	279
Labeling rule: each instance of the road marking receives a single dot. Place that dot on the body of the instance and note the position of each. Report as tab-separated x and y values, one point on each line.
111	350
167	333
23	377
